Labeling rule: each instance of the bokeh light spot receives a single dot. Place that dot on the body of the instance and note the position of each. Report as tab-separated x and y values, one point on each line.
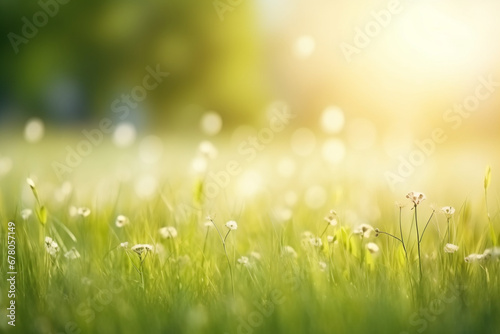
34	130
124	135
333	150
315	197
332	120
361	134
151	149
303	142
211	123
304	47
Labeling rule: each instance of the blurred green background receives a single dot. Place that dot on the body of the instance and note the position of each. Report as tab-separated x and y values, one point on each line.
415	61
89	53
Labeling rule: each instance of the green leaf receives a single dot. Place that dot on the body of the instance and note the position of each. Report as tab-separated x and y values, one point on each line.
487	178
343	236
198	191
41	213
493	235
401	256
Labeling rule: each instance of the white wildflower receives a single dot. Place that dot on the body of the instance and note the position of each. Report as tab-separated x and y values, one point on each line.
331	219
168	232
142	248
84	212
244	261
372	247
450	248
492	252
26	213
121	221
51	246
288	250
448	211
316	242
416	197
31	183
331	239
400	204
322	265
307	235
363	230
475	258
124	244
256	255
232	225
72	254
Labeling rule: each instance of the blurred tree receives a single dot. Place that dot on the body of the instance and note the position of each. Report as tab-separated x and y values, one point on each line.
91	52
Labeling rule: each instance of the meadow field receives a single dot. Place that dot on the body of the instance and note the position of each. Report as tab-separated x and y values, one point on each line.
245	167
285	246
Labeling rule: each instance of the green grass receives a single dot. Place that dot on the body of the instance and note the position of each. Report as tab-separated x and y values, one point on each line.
186	283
